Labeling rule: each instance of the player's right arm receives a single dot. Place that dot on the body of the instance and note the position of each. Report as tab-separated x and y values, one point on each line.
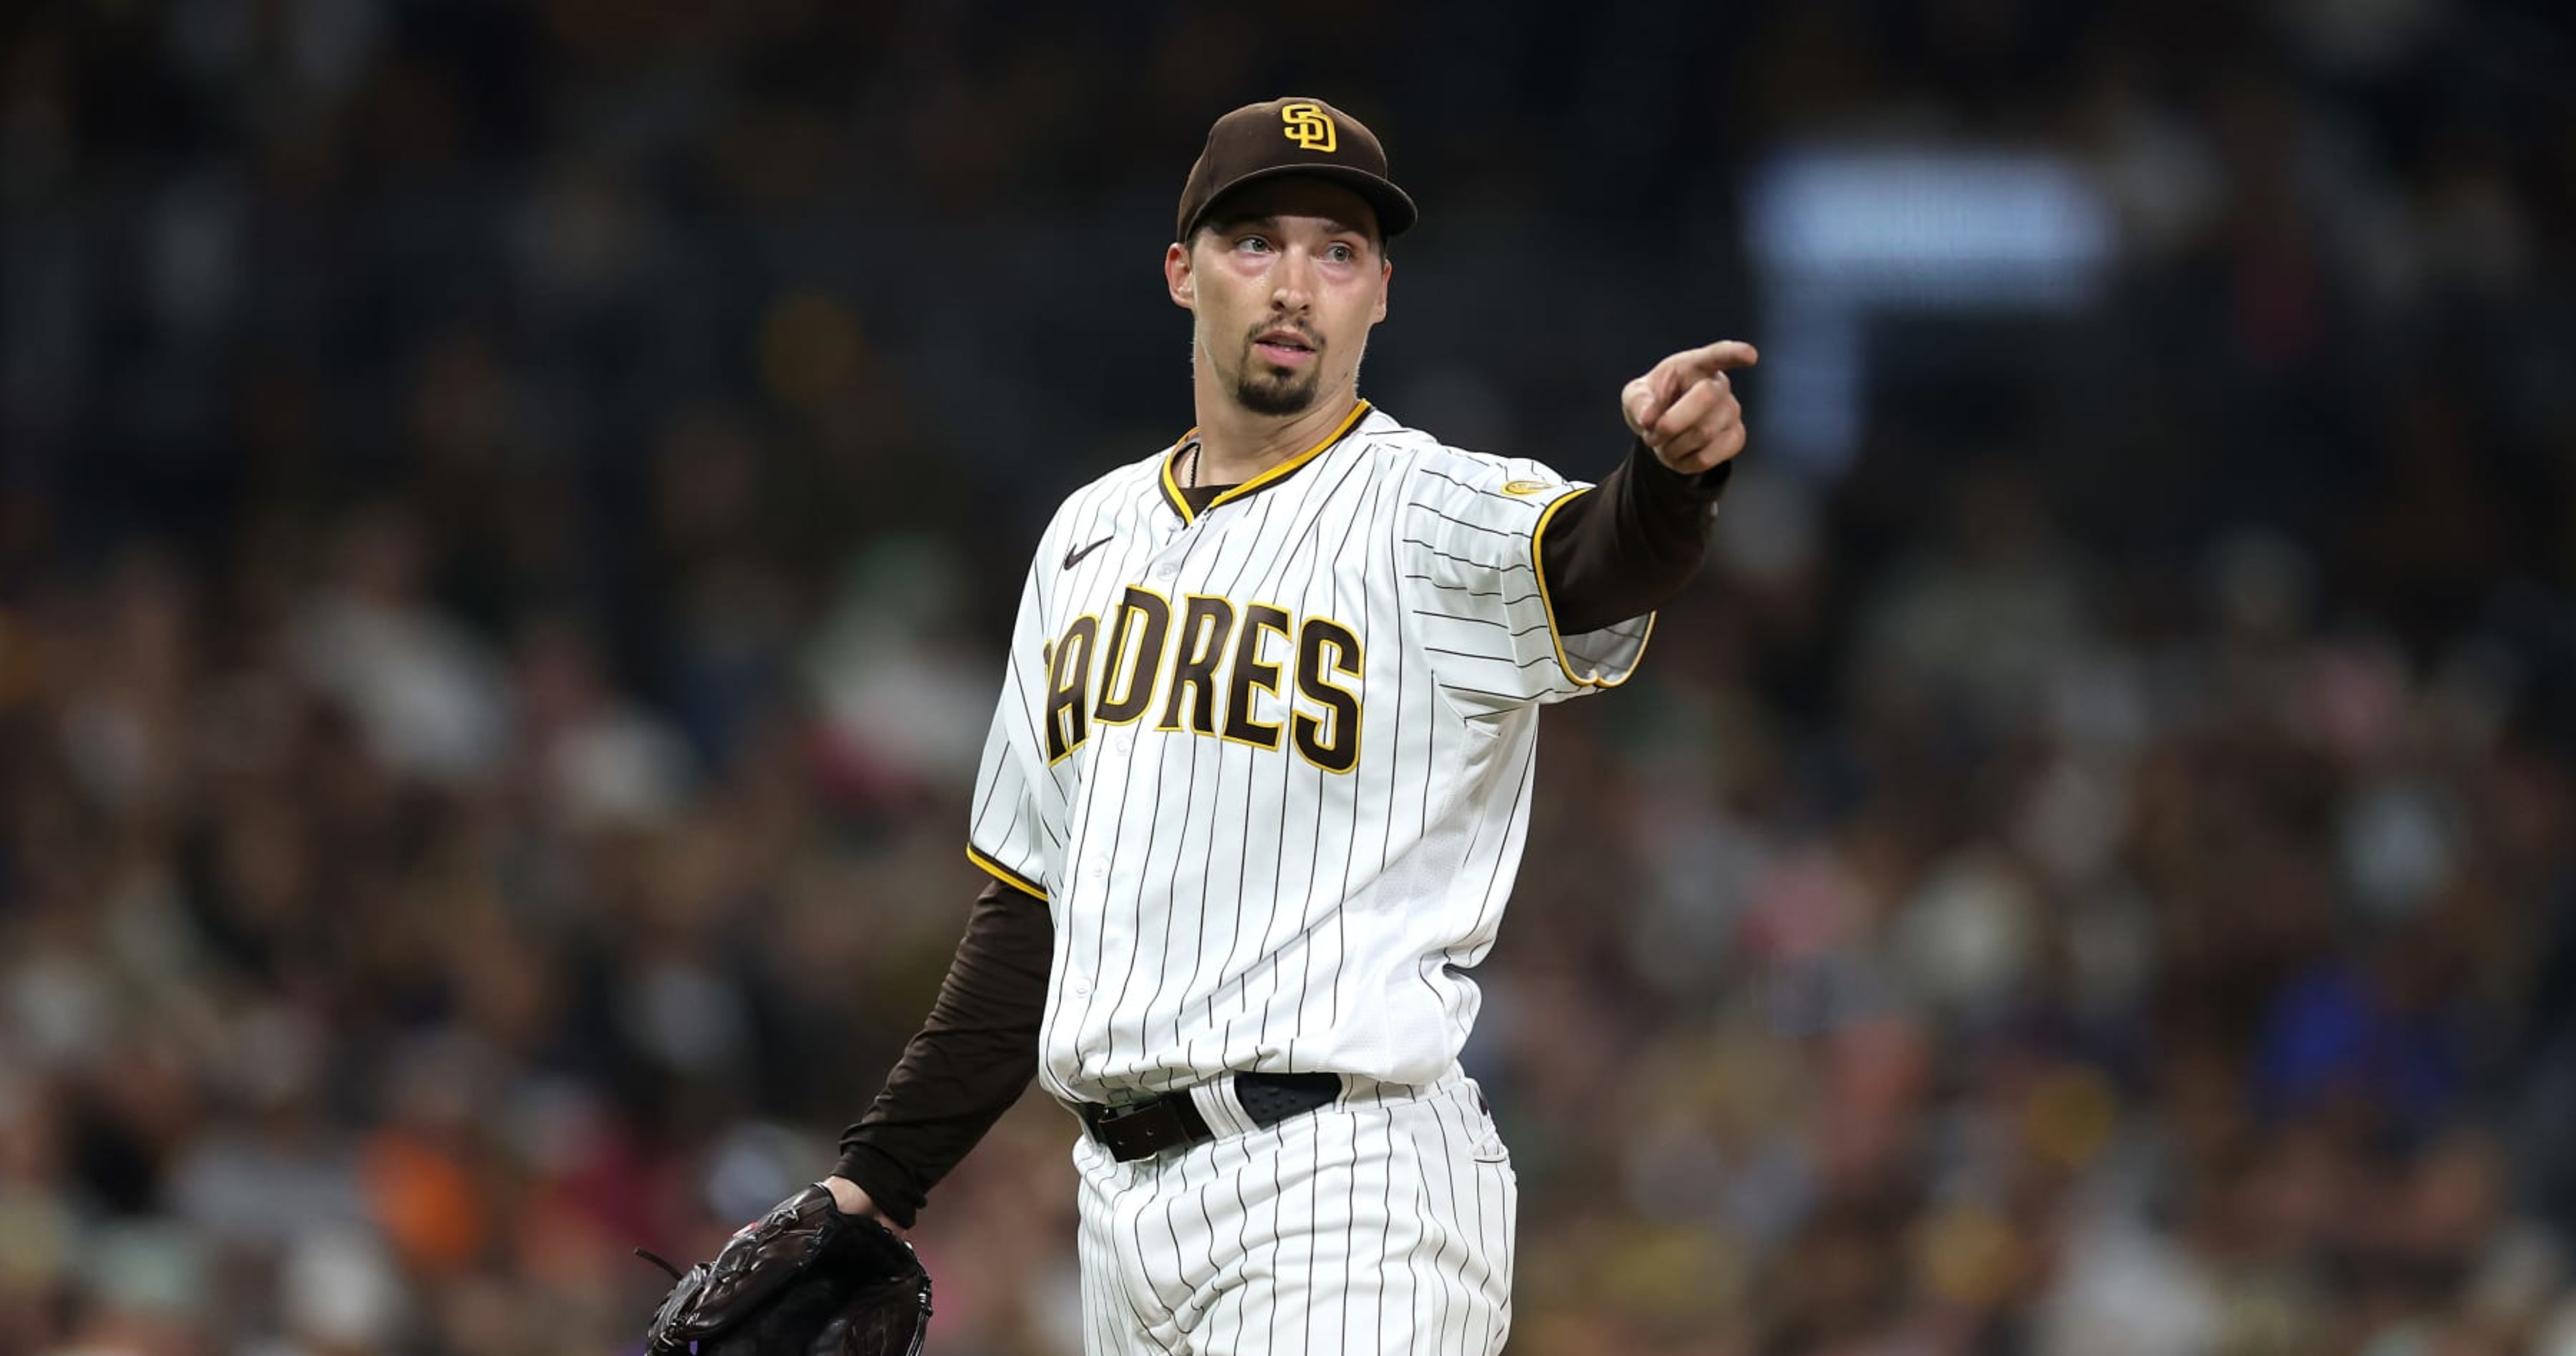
975	1055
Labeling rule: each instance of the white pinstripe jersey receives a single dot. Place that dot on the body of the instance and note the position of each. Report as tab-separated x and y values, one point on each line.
1269	764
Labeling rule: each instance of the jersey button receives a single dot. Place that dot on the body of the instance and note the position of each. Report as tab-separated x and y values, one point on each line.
1119	742
1166	570
1097	869
1077	986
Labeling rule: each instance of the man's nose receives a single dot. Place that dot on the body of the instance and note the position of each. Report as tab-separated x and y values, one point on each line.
1292	288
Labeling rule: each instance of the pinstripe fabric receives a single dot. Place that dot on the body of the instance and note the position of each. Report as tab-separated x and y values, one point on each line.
1381	1224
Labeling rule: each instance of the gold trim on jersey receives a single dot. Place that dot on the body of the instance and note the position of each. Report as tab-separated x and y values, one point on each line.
1171	487
1004	874
1555	637
1181	505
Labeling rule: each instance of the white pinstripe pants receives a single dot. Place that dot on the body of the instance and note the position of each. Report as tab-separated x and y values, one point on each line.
1379	1224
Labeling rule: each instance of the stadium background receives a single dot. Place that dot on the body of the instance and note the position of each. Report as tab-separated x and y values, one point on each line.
507	513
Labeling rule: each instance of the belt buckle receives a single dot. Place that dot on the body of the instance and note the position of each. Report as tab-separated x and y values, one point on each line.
1138	1131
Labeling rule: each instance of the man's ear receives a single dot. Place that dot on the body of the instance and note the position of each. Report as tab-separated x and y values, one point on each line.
1385	281
1176	275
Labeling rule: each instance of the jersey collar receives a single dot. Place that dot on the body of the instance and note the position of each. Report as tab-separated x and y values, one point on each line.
1172	487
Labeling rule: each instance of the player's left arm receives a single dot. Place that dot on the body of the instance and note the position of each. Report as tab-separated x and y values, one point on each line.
1490	546
1627	547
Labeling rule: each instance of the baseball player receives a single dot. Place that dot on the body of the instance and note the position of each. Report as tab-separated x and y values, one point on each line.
1257	786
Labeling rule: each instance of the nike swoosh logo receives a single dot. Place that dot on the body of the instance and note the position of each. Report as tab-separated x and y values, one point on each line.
1073	558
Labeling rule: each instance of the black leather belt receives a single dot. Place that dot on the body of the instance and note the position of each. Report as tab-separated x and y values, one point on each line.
1144	1129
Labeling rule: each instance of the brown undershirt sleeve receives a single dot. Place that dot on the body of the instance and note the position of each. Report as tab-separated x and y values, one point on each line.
1627	547
972	1059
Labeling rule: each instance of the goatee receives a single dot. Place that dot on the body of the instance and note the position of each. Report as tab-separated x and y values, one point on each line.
1274	396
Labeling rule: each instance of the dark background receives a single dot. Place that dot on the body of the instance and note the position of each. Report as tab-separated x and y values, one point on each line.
508	513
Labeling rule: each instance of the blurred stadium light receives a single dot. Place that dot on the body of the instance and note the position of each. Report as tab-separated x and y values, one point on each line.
1839	235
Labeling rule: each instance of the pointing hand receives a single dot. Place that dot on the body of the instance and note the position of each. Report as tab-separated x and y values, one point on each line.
1684	408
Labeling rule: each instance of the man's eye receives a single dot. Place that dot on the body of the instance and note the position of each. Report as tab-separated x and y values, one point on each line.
1254	243
1340	254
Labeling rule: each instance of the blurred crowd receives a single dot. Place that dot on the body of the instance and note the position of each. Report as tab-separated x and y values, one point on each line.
507	520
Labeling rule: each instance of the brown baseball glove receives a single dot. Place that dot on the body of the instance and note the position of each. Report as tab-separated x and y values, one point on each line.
802	1280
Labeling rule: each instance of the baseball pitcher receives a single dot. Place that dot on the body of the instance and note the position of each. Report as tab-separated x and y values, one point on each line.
1251	806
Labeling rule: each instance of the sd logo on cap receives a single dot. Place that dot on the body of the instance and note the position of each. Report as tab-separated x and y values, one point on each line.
1309	126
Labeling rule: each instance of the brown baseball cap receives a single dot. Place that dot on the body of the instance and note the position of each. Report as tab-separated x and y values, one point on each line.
1292	136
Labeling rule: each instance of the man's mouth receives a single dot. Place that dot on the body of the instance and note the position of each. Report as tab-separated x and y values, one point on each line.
1285	347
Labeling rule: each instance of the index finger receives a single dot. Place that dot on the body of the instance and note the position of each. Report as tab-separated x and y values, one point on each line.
1710	359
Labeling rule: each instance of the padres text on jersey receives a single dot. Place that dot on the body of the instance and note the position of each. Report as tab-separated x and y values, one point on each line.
1220	653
